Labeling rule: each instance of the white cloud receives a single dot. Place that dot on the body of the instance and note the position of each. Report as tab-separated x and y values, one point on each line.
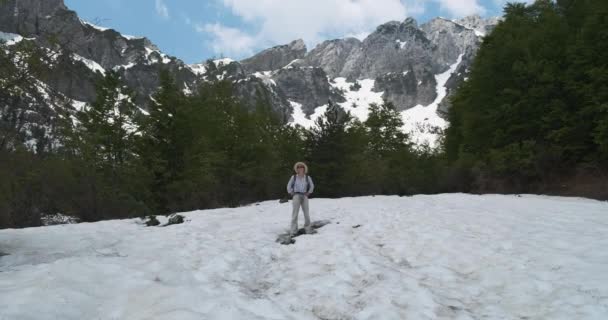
228	41
162	9
461	8
281	21
415	7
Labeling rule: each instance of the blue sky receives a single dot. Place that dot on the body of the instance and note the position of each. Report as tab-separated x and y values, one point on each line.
195	30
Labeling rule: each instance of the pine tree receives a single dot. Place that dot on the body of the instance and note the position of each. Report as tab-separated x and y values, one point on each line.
384	125
328	150
106	138
161	146
534	107
107	127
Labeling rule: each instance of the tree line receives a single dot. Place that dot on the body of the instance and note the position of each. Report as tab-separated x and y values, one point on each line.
532	117
114	160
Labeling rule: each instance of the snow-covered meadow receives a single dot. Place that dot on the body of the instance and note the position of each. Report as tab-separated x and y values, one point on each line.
451	256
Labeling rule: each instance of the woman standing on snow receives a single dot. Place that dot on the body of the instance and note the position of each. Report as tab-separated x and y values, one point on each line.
300	186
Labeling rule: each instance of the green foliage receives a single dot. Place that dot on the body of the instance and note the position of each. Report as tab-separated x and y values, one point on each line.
534	106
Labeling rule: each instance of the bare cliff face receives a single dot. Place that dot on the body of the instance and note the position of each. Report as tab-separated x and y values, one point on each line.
275	57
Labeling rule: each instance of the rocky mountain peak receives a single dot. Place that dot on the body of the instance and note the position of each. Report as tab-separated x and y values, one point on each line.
409	21
297	45
276	57
476	22
395	27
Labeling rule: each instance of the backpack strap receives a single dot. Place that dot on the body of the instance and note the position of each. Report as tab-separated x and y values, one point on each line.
307	183
293	183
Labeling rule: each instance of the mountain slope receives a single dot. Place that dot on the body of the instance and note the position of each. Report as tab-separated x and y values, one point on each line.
399	59
450	256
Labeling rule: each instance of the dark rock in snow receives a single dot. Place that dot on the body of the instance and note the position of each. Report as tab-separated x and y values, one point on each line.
287	239
307	86
152	221
175	219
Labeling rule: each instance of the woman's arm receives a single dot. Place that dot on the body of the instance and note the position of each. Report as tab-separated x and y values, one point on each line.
289	185
311	185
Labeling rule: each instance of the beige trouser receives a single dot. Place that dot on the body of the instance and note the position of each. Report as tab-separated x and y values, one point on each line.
299	200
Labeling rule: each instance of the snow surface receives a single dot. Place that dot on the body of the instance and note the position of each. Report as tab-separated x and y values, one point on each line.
422	122
401	44
451	256
94	66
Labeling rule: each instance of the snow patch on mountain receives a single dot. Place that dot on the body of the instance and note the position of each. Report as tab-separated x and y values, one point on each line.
126	66
151	56
422	123
222	62
128	37
266	77
94	66
78	105
44	91
102	29
10	39
198	68
300	118
401	44
292	63
358	100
